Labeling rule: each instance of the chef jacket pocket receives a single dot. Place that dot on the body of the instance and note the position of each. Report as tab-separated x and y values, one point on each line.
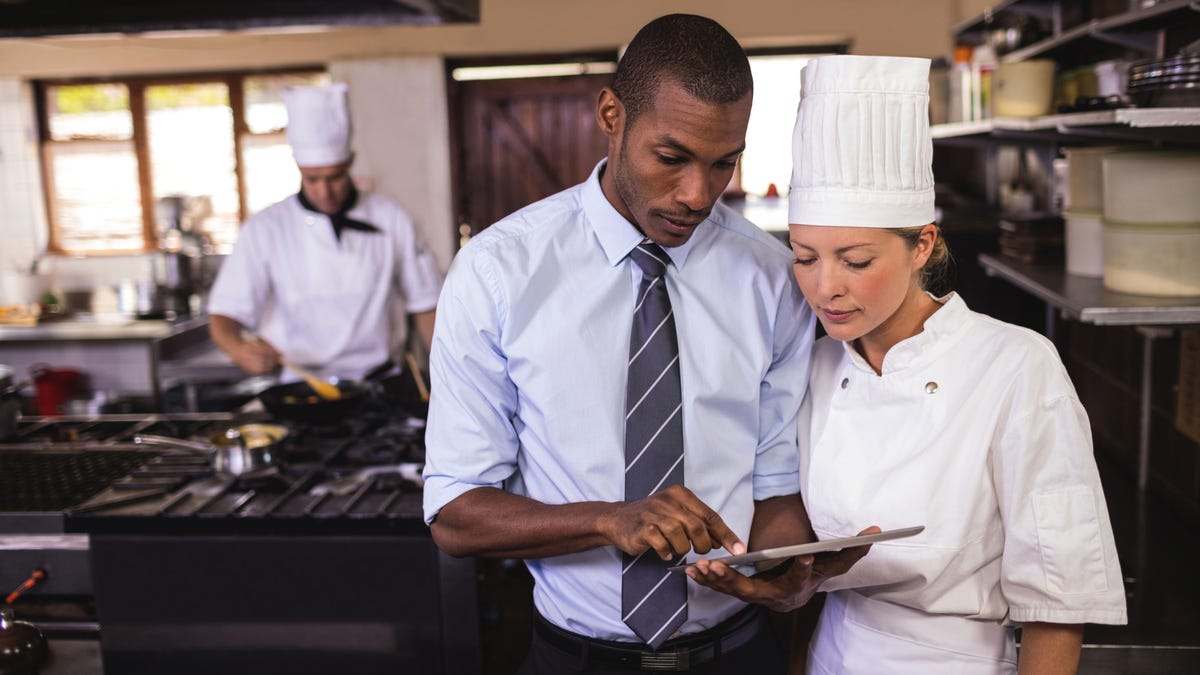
1068	530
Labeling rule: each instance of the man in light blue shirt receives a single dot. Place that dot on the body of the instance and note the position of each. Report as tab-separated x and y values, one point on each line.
527	422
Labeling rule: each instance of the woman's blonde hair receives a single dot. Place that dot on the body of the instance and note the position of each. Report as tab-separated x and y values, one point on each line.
936	271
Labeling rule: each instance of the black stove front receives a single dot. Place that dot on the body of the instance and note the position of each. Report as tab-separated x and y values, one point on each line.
319	561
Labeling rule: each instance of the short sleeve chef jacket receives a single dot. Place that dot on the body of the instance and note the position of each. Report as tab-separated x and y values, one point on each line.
529	369
974	430
335	305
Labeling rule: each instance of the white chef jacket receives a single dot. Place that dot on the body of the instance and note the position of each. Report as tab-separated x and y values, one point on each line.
973	430
338	307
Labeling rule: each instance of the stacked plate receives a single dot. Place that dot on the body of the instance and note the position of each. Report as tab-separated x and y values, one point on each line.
1159	83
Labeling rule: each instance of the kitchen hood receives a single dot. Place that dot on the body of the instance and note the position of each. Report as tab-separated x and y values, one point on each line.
42	18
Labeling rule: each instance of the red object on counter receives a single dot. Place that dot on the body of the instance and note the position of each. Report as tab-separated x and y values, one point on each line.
54	387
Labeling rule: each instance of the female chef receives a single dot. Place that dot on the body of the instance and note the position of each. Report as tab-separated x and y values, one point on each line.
922	412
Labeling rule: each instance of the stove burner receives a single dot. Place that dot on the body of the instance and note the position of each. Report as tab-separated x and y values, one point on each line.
44	480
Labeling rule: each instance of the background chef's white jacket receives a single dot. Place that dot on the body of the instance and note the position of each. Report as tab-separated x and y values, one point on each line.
975	431
337	306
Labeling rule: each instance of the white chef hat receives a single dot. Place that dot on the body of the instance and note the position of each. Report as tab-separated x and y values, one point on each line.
861	151
318	124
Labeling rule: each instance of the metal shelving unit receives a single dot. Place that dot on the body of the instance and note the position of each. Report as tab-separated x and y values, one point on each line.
1140	29
1171	125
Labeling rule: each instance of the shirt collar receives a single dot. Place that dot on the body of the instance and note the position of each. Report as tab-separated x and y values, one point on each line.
617	236
944	321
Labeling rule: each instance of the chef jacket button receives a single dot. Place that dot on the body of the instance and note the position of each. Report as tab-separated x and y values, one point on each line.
845	382
309	220
930	387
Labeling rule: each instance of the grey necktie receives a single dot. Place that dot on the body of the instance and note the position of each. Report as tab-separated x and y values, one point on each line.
653	600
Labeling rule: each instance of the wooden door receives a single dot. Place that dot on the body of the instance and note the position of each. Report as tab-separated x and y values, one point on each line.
522	140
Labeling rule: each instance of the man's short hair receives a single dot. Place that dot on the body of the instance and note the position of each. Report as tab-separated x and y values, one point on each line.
694	51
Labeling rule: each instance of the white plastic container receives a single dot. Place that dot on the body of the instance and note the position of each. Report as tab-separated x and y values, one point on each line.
1023	88
1151	187
1085	178
1152	259
1084	243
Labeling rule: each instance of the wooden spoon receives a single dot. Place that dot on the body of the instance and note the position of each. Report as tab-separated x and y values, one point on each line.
326	390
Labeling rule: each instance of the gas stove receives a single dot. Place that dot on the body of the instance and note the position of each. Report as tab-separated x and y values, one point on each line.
323	551
363	471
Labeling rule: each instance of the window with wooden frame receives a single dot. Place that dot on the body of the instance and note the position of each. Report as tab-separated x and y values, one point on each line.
113	150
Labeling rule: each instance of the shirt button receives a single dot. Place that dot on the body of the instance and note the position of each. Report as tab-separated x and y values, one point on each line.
931	387
845	382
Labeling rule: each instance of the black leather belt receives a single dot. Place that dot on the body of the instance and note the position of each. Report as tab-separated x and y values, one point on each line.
677	654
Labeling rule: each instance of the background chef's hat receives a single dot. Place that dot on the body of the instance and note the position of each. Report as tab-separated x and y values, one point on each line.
861	151
318	124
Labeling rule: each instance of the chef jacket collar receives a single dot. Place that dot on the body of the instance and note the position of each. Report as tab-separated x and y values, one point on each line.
340	220
618	236
905	353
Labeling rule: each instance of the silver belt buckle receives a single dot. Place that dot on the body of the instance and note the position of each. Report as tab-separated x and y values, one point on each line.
673	660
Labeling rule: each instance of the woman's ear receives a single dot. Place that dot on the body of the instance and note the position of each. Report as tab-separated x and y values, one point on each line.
925	244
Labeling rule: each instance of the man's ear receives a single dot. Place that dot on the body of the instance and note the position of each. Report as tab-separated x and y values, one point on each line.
610	112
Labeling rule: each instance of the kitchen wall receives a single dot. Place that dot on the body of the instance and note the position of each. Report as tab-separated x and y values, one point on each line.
401	133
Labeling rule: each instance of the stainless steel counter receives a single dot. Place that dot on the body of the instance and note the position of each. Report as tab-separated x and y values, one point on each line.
120	359
90	328
1085	299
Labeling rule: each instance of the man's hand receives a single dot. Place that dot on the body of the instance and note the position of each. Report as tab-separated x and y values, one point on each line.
780	592
672	522
255	356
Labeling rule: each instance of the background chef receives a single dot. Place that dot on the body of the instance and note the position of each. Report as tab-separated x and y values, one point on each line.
326	277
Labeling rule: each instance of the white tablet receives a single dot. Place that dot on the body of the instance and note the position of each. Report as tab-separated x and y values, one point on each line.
783	552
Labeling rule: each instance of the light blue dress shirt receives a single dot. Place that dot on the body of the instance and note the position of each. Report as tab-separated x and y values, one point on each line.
528	374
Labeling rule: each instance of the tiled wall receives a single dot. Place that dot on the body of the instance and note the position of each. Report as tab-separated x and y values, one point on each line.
22	211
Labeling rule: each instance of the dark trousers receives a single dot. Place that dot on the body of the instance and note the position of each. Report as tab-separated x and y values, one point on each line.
762	655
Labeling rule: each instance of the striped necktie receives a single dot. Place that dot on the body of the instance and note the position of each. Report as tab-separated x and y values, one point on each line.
653	600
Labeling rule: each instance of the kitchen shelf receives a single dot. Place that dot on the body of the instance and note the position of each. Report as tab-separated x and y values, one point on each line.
997	15
1170	125
1137	29
1085	299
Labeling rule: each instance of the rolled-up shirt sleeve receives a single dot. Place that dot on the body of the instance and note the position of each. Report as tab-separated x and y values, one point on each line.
418	275
243	284
776	466
1060	561
470	438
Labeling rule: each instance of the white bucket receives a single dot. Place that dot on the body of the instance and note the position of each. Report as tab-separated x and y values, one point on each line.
1151	259
1084	243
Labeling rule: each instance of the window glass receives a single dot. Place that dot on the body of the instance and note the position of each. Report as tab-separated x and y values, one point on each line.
264	105
190	128
97	201
89	112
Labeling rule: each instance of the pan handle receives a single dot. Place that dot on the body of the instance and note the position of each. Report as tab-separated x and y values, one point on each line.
167	441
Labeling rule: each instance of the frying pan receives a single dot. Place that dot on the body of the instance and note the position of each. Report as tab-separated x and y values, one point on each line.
298	402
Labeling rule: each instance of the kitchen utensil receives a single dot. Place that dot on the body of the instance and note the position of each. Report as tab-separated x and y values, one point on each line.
1023	88
1152	260
55	386
1152	187
1084	243
23	647
351	482
235	451
416	375
297	401
326	390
